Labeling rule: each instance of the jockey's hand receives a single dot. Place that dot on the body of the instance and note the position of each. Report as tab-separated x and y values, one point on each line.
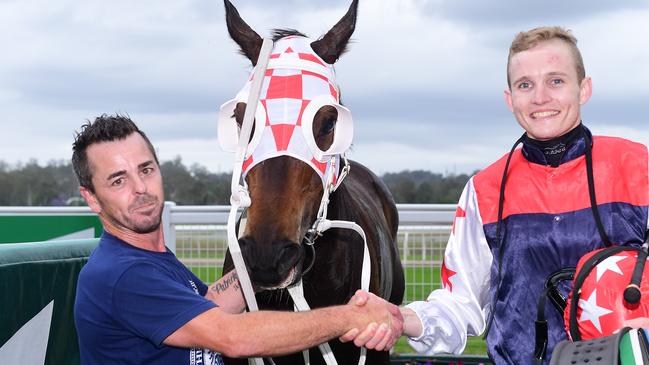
376	336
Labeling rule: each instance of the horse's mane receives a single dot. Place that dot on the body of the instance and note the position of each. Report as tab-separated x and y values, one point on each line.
280	33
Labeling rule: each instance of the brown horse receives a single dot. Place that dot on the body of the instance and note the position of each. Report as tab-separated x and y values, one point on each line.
286	191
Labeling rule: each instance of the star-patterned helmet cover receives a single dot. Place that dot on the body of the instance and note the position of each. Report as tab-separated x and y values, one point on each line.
296	85
602	308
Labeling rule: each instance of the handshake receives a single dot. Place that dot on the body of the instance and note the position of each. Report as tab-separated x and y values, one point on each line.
378	324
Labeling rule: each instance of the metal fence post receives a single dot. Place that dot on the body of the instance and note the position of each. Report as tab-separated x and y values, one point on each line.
406	248
168	228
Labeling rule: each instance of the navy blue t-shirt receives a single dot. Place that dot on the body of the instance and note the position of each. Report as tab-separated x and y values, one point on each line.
129	300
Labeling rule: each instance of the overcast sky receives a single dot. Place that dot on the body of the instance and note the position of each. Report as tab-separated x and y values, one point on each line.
424	79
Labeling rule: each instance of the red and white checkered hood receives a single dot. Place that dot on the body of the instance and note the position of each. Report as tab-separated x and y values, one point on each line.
297	83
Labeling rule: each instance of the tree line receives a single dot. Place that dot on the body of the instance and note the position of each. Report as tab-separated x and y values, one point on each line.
55	184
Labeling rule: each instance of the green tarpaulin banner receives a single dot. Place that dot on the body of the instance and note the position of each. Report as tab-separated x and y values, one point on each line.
32	228
38	282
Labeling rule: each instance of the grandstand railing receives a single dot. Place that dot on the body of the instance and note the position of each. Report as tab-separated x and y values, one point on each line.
200	237
197	234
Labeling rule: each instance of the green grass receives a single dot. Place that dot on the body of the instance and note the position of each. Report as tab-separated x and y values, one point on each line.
211	255
206	249
427	279
207	274
474	346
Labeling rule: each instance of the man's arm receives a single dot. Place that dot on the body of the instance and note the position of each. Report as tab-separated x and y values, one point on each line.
227	294
269	333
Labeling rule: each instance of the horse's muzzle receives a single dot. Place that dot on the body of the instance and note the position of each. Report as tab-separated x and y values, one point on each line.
272	265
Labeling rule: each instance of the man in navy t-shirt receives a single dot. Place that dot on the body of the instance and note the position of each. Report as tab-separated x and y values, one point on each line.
137	304
129	300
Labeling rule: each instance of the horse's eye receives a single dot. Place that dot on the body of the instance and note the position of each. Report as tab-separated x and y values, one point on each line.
239	111
328	126
324	124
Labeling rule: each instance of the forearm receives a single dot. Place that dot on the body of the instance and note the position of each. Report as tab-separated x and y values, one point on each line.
278	333
364	310
411	323
272	333
265	333
227	294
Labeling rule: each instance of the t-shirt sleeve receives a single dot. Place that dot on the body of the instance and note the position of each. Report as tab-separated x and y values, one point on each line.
151	303
200	285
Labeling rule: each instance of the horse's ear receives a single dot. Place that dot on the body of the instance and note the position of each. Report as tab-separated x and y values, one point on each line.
334	43
240	32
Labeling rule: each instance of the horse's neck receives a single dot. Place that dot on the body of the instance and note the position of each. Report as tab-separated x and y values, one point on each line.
338	201
363	200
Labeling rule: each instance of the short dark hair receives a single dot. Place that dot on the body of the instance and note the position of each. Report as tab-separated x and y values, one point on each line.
105	128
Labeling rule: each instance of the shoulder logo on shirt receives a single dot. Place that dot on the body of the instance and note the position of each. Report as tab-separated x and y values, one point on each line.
204	357
193	284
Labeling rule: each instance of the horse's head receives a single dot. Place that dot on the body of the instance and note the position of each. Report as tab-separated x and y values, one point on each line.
294	152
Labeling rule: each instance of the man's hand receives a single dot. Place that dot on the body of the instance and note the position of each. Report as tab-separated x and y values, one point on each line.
377	335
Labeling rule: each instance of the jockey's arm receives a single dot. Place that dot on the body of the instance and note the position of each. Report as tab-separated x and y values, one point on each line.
461	307
442	322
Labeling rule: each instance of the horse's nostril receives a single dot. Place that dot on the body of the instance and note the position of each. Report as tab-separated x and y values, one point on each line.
290	253
288	257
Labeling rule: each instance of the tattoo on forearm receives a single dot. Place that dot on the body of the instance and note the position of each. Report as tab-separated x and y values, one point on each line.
232	280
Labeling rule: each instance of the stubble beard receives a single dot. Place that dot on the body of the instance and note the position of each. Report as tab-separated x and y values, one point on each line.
148	224
145	225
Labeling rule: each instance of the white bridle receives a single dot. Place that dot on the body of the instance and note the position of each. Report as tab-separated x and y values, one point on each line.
245	159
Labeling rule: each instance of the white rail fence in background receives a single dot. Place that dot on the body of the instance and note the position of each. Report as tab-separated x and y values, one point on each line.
197	234
200	237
